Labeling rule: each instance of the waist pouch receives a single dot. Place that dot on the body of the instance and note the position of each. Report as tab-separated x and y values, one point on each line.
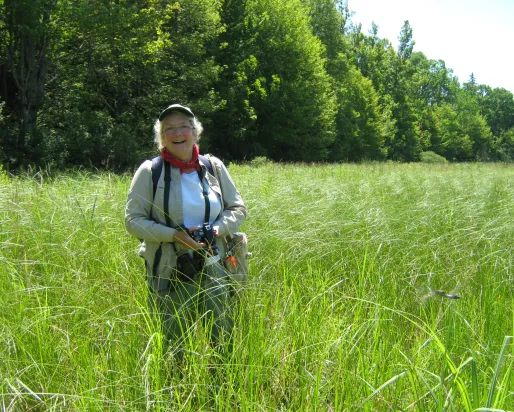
188	266
236	259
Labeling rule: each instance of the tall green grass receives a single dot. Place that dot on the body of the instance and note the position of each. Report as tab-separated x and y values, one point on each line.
342	311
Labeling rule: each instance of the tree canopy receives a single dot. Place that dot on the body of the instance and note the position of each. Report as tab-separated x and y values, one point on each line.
81	83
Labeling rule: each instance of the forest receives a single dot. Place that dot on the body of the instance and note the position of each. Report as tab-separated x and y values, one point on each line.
81	83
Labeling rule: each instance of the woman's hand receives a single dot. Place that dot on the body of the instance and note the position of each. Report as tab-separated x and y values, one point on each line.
182	238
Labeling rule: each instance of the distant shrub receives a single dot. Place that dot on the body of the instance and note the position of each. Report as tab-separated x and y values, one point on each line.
4	177
431	157
259	161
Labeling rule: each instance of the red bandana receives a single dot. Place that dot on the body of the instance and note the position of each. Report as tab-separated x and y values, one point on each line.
192	164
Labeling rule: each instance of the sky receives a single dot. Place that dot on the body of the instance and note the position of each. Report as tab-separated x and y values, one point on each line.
471	36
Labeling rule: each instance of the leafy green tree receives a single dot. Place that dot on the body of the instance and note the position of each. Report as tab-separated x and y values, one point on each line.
375	58
392	74
298	106
473	123
406	45
462	134
497	105
363	123
505	145
328	21
455	145
89	114
233	130
363	126
281	81
406	144
81	82
432	82
26	35
120	63
432	85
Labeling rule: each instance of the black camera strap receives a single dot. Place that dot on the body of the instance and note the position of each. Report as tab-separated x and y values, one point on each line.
166	204
208	232
205	188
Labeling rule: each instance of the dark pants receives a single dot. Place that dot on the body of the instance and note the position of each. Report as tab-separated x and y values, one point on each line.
207	295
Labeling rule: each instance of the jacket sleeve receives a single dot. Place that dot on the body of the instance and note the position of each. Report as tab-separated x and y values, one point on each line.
138	209
234	211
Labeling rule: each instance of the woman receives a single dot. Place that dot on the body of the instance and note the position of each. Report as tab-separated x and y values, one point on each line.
185	199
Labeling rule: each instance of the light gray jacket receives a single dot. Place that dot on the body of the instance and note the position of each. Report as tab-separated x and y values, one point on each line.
145	219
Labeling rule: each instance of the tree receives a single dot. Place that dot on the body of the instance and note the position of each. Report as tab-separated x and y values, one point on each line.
328	22
431	85
505	145
233	127
407	43
375	58
81	82
281	83
363	126
363	123
298	106
405	145
432	82
119	64
497	105
454	143
473	123
26	37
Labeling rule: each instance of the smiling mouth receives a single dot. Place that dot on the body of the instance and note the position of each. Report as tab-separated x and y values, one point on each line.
180	142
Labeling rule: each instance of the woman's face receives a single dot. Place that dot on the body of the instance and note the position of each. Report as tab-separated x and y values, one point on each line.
178	135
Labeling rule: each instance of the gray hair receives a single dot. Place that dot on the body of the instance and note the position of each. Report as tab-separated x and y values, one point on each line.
158	130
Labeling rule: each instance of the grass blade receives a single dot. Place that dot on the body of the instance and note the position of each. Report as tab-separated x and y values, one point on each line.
497	372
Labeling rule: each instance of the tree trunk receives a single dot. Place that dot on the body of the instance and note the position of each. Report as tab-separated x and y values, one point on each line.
27	62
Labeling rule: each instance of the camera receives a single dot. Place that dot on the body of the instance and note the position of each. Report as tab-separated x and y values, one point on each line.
205	235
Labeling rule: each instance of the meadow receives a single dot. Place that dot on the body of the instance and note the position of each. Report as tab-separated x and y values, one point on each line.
373	287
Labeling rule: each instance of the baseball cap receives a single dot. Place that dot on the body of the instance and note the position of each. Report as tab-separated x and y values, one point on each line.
176	108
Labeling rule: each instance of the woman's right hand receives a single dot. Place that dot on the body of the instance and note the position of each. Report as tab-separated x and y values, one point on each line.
183	239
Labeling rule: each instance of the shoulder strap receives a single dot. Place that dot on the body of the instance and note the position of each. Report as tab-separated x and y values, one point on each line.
166	200
156	172
213	171
157	164
166	205
207	163
205	190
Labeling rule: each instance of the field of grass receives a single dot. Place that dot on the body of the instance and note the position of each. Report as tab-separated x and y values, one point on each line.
376	287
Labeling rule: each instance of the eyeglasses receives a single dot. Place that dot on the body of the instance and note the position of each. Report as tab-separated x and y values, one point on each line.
178	130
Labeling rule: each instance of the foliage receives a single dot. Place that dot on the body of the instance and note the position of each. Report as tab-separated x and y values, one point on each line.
363	125
26	33
431	157
279	84
456	145
406	45
82	81
4	177
505	146
116	82
433	83
497	106
260	161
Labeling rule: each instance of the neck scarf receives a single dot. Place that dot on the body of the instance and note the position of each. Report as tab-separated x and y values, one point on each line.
192	164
